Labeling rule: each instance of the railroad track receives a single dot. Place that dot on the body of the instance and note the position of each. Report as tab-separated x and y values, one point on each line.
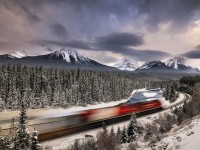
98	124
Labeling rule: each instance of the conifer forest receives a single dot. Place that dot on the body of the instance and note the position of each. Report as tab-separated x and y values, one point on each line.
39	87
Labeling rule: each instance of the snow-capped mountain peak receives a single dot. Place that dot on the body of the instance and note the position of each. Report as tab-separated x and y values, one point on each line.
17	54
126	64
69	54
175	62
153	64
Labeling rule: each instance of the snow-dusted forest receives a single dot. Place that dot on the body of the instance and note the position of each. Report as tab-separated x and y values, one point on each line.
39	87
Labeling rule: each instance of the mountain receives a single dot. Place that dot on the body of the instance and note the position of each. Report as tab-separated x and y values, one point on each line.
154	66
173	65
17	54
64	58
127	65
178	63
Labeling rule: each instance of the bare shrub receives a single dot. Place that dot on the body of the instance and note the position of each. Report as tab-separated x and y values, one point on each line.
166	122
75	146
106	142
133	146
151	133
140	128
47	147
89	144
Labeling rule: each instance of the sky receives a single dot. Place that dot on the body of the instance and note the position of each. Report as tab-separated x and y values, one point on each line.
104	30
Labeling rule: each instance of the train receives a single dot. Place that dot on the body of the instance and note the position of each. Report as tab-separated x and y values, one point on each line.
54	124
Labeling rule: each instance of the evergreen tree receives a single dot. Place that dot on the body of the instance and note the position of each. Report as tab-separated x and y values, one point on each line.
172	95
22	137
132	129
104	128
167	93
5	143
41	87
124	136
118	135
112	132
34	141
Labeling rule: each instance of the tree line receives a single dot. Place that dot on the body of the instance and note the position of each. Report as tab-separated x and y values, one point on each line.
40	87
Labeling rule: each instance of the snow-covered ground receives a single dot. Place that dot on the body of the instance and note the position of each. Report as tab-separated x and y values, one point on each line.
65	141
184	137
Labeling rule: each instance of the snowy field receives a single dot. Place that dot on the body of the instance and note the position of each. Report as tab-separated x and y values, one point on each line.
64	142
184	137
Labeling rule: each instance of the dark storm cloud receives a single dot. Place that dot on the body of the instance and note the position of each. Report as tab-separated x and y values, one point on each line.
98	12
59	30
26	8
32	17
178	12
138	54
192	54
65	23
120	39
123	43
118	43
170	10
69	43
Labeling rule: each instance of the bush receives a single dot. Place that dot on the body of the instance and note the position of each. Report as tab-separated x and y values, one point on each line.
133	146
166	122
76	146
106	142
151	133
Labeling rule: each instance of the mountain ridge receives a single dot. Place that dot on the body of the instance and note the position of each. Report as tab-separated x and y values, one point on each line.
63	58
126	65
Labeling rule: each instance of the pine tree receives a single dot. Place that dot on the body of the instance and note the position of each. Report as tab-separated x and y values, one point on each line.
112	132
5	143
167	93
22	137
172	95
124	136
132	129
34	141
104	128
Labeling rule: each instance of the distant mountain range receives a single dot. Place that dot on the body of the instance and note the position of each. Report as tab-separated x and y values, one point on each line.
174	65
68	58
64	58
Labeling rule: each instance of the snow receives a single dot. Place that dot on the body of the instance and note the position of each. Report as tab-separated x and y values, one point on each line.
64	142
17	54
126	64
67	53
174	62
183	137
148	65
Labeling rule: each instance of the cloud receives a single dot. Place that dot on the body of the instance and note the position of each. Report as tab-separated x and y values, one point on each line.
197	47
178	12
58	30
32	17
115	26
117	43
120	39
123	43
25	8
192	54
69	43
